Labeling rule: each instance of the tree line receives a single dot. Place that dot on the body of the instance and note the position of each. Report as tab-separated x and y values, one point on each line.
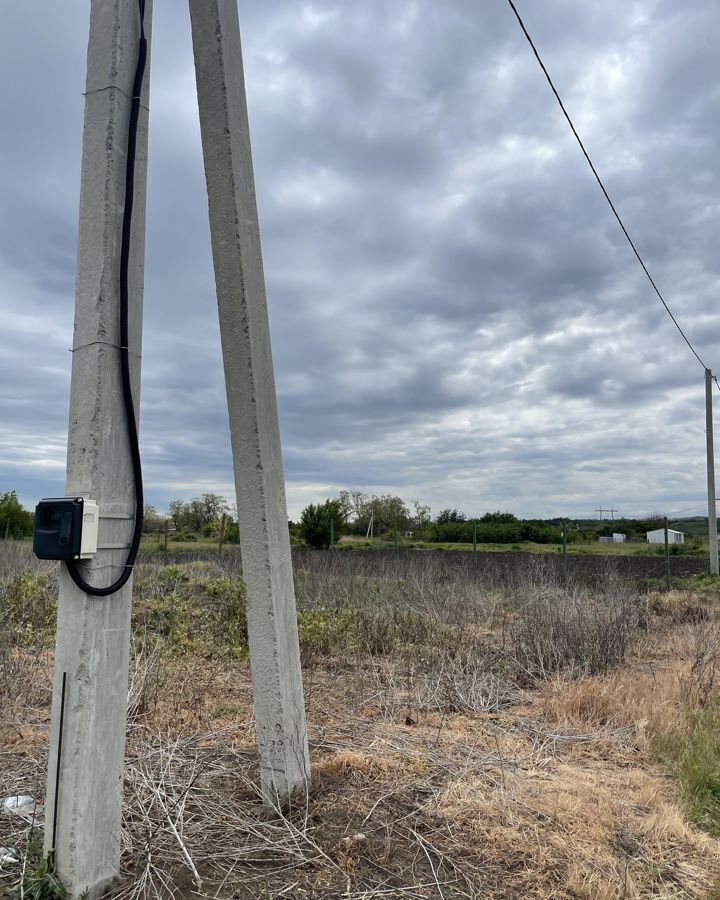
204	515
386	516
389	516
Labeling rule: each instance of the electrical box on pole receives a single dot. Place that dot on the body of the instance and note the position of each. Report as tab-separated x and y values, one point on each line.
66	528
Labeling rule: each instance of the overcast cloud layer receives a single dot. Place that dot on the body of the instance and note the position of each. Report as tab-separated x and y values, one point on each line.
455	315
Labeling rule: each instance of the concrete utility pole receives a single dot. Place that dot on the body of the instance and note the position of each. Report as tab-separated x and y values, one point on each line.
250	383
712	510
222	535
93	634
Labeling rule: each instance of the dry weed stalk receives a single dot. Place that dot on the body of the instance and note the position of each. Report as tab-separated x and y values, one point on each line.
192	807
700	685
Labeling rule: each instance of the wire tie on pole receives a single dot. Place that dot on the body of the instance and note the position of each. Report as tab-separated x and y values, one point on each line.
116	87
107	344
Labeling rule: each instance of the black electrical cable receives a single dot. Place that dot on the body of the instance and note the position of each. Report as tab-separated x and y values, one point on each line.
128	402
602	186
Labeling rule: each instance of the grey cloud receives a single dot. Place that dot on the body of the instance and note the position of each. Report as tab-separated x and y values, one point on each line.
454	312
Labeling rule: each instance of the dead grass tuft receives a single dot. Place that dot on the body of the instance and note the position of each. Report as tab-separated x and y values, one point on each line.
589	883
450	759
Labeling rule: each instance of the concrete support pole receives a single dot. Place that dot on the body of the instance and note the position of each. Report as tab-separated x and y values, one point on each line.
712	511
93	634
250	382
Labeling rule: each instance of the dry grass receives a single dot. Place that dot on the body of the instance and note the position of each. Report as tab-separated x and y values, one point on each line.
439	770
555	798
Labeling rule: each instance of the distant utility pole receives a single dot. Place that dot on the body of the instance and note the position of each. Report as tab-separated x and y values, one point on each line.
222	535
712	509
611	512
667	555
474	550
564	552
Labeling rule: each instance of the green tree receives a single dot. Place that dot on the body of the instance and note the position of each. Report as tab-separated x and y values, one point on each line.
15	520
448	516
389	513
152	520
232	532
498	518
315	528
212	507
195	514
178	510
423	515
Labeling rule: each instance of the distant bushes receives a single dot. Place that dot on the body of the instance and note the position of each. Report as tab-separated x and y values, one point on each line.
491	532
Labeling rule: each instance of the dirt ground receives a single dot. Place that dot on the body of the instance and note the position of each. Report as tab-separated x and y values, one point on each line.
553	794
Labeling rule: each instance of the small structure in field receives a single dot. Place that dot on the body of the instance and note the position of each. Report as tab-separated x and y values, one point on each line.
612	539
658	536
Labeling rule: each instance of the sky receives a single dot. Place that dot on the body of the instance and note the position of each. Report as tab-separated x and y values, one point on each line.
455	315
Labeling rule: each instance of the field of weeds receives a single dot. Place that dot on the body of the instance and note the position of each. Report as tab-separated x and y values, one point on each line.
473	734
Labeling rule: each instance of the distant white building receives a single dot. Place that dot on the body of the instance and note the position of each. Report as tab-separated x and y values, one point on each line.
658	536
614	539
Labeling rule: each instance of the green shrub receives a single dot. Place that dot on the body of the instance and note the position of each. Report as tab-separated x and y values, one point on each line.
168	618
13	517
38	880
171	576
229	613
27	609
323	631
694	756
180	605
318	523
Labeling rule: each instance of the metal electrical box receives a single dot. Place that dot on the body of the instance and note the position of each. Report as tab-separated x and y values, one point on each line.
65	528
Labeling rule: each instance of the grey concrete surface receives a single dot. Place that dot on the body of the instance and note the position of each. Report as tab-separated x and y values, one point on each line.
93	634
240	284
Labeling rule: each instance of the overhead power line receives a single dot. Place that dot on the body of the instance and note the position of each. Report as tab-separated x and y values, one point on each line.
603	188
